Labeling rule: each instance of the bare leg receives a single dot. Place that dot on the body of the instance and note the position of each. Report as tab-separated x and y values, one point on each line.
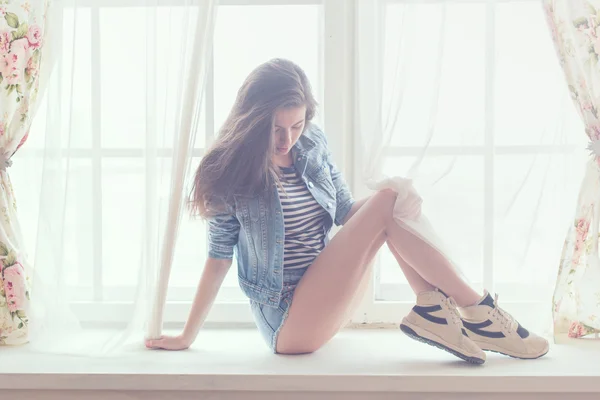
416	281
323	296
360	294
431	265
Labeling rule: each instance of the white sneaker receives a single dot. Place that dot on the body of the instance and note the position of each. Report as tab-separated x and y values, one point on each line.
436	321
493	329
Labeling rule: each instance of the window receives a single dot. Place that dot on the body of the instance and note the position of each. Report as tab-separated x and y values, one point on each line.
502	151
108	183
494	143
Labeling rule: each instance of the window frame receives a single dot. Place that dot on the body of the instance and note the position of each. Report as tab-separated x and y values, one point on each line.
339	25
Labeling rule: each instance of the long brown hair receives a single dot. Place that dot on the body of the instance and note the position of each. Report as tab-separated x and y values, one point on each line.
239	161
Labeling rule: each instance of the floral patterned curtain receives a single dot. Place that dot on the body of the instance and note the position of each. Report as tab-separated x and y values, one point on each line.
575	28
22	25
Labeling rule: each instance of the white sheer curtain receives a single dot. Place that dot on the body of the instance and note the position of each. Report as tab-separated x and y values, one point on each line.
379	120
108	179
447	95
452	98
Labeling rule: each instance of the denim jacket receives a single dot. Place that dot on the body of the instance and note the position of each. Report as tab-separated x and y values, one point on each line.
254	225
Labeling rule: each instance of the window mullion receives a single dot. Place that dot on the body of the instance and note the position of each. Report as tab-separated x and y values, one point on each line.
367	35
209	103
488	224
96	154
149	235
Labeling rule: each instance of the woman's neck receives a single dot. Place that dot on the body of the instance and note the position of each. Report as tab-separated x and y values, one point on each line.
283	160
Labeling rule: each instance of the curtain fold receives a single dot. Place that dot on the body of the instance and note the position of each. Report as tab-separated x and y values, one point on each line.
22	56
187	127
108	219
575	29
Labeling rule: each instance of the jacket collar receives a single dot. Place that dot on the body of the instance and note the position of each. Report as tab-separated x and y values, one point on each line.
304	144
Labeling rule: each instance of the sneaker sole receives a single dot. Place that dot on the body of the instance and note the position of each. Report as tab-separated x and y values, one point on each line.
413	335
484	347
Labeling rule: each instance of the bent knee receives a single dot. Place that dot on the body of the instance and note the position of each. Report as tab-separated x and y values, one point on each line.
383	201
388	194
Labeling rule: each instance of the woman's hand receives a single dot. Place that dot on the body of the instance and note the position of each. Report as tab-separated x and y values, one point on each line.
213	275
168	343
408	203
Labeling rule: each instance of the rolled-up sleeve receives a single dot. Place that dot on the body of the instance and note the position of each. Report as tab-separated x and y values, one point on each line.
223	232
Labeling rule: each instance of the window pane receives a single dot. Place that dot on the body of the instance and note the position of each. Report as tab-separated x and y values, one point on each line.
246	36
535	201
532	104
132	106
459	117
123	106
77	78
191	251
123	216
78	251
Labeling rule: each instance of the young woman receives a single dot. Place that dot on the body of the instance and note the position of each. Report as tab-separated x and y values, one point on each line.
271	191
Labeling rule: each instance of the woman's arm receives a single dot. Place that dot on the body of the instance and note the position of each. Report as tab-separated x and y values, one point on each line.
223	231
355	207
212	278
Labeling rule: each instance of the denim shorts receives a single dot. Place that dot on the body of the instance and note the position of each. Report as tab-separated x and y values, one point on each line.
269	320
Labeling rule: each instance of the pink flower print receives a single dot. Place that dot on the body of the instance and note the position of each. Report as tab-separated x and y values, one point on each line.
32	68
553	27
22	142
34	36
14	286
9	69
596	43
22	49
582	227
591	23
5	38
2	132
577	251
13	63
594	132
576	330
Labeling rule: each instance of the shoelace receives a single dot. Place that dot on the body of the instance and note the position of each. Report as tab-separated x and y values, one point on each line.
453	308
503	317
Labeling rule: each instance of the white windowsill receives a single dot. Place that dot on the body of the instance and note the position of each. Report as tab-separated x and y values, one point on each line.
373	361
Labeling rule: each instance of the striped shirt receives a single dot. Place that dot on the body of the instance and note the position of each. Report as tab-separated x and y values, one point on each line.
303	219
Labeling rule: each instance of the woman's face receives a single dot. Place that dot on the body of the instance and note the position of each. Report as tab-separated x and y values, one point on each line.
287	128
